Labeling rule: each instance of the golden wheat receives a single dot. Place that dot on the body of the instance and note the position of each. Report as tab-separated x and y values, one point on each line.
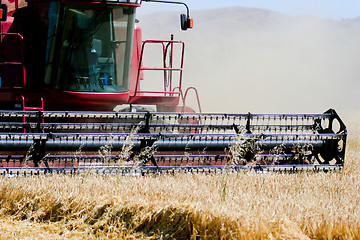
229	205
257	206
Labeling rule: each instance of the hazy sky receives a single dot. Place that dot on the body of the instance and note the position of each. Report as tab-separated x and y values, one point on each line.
336	9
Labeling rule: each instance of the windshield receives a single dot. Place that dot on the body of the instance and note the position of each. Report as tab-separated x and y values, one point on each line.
96	48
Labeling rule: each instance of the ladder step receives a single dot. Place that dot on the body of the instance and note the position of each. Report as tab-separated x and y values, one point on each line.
32	108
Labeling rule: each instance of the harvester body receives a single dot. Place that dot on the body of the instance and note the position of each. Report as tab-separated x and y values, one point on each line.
65	66
87	54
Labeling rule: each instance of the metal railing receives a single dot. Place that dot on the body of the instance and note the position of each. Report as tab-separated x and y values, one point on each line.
168	82
21	56
170	89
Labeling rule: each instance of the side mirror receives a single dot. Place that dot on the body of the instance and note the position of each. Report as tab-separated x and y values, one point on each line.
3	12
186	22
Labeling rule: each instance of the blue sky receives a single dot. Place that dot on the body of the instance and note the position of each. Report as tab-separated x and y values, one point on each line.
335	9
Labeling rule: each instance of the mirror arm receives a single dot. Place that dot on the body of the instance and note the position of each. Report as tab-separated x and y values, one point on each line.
171	2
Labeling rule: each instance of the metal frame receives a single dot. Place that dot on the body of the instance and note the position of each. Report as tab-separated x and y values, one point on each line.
138	94
169	90
21	46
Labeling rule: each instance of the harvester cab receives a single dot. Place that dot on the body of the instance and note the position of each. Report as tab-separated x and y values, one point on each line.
88	53
78	60
93	55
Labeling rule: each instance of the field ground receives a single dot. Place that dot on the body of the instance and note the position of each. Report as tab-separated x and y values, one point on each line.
222	206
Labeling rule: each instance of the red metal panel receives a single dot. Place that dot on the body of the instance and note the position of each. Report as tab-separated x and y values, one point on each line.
5	26
155	100
84	100
136	55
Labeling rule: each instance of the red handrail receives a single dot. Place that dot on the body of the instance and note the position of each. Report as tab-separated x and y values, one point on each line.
197	97
165	47
183	97
32	108
21	45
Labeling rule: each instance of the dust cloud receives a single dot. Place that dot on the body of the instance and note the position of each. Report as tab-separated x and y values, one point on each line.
252	60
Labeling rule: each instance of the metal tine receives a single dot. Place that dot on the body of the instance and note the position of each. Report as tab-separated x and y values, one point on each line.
125	170
282	120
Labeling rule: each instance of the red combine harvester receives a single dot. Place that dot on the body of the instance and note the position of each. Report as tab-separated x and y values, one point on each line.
66	66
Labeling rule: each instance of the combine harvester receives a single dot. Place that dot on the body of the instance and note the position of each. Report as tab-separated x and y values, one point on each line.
66	65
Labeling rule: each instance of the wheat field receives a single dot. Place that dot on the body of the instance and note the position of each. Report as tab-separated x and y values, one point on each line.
245	205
